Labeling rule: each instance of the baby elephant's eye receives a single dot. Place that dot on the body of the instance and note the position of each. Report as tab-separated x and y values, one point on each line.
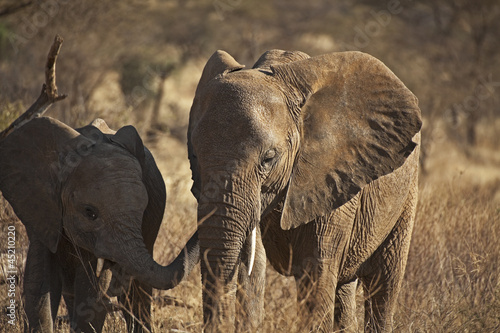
91	213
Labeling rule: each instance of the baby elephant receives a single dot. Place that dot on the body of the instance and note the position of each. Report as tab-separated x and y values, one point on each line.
82	195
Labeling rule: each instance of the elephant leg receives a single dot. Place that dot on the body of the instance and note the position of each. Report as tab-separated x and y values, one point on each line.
388	266
42	288
380	302
89	309
250	292
69	299
55	290
345	314
316	295
137	307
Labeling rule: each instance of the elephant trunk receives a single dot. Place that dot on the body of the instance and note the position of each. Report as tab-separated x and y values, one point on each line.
139	263
222	237
220	248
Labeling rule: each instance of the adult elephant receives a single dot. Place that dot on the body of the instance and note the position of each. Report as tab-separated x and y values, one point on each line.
312	162
82	195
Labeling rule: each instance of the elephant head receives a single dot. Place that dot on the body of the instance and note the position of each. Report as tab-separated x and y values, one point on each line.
294	134
88	187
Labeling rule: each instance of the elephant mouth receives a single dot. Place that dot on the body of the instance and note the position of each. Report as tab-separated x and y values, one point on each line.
103	265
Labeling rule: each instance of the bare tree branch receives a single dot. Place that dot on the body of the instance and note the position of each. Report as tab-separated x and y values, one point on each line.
14	8
48	95
50	70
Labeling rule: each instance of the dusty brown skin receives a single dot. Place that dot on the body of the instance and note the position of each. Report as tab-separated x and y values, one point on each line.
320	154
86	194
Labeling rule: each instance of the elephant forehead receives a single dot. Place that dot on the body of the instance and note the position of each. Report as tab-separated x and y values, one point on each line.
241	108
113	181
248	87
108	162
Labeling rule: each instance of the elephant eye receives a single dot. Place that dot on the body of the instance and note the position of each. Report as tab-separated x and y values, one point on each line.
268	158
91	213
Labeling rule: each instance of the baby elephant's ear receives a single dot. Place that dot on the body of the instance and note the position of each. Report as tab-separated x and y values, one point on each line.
97	131
357	121
101	125
32	160
128	138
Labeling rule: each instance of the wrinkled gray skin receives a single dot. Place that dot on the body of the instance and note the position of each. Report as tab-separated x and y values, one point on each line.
320	154
86	194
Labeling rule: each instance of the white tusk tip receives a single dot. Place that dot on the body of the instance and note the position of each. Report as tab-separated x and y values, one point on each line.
100	265
253	241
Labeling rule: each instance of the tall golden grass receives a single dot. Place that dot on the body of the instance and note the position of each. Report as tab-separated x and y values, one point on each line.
453	277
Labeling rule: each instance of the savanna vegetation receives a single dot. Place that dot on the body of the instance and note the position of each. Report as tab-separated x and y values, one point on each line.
138	62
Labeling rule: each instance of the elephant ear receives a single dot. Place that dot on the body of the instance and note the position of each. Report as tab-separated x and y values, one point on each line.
102	126
34	161
128	138
97	131
276	57
219	64
357	121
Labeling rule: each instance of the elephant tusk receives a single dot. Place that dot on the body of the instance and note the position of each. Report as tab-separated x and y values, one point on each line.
253	240
100	265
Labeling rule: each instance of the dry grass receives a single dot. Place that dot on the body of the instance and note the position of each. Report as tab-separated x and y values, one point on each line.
453	278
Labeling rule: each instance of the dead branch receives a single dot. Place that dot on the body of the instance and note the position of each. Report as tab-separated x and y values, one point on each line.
8	10
48	95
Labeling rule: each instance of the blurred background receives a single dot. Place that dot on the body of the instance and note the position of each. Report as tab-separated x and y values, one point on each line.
138	62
